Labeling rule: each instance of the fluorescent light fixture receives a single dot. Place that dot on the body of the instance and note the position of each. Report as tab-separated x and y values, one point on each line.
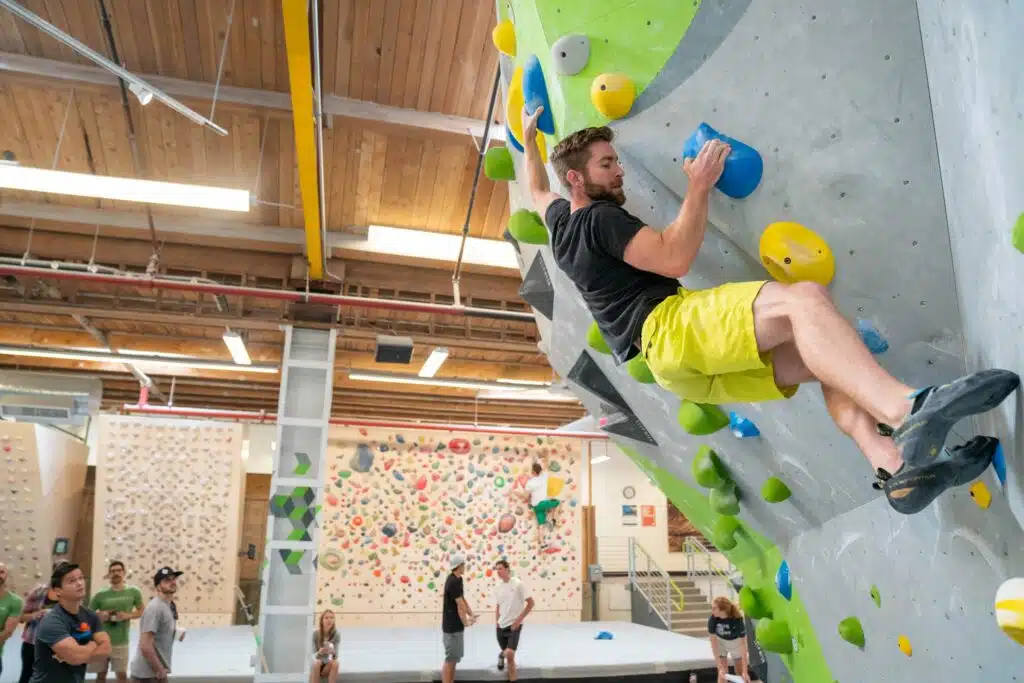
236	345
598	459
16	177
505	393
129	357
434	361
434	245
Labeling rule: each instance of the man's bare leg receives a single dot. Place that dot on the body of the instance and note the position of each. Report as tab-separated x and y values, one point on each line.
851	419
448	672
803	313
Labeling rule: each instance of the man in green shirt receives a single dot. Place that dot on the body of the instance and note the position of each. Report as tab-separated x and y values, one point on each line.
10	610
116	606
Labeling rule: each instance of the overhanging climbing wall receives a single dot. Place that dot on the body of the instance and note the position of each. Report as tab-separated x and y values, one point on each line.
835	97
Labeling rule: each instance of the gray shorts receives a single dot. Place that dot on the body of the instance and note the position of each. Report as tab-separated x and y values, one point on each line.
453	647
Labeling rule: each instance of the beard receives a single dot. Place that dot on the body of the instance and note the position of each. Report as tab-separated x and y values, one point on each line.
599	193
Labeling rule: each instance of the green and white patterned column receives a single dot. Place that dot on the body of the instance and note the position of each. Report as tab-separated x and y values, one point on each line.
288	598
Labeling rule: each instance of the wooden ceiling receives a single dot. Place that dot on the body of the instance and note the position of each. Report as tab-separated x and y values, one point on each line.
405	82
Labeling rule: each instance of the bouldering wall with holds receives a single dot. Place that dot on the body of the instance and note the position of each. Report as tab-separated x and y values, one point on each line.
836	103
43	476
169	492
399	503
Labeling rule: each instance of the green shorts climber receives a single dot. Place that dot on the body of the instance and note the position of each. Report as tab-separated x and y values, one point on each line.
542	508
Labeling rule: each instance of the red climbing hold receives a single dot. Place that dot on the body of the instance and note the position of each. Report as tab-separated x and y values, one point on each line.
459	446
421	483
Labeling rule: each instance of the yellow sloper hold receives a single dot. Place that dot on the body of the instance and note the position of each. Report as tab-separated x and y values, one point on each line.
514	113
555	485
613	95
504	38
981	495
905	646
792	253
1010	608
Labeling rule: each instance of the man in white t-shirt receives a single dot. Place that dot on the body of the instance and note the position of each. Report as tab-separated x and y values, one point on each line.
540	502
513	604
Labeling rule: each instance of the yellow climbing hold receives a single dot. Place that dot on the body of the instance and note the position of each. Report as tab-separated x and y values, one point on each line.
792	253
613	95
514	112
981	495
504	38
555	485
905	646
1010	608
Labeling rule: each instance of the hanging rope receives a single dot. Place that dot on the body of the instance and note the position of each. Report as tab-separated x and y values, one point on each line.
223	54
53	166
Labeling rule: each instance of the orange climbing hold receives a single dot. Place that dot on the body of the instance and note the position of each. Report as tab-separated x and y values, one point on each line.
792	253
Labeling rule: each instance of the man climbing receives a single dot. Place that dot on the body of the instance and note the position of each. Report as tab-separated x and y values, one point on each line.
744	341
536	489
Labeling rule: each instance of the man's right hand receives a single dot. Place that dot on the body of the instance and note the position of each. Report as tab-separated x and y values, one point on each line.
706	169
530	125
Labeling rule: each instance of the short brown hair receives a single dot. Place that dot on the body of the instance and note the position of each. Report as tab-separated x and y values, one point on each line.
728	606
537	469
573	152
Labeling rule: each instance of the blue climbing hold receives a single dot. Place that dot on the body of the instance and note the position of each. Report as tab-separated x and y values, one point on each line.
999	465
535	94
743	167
871	337
782	581
604	635
511	139
741	427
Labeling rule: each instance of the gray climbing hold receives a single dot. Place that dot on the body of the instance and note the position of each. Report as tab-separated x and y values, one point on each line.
570	54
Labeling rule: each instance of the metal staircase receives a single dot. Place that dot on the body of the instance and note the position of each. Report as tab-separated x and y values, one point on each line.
679	603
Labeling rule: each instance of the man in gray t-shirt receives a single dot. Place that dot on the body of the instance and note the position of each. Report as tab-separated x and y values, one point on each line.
157	629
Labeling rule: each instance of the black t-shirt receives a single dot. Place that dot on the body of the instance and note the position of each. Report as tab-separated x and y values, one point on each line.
450	621
588	245
726	629
57	625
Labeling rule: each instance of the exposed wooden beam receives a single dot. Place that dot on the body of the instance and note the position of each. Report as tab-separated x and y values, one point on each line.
333	105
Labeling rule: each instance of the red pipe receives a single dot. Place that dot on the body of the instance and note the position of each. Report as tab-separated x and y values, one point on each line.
264	293
264	417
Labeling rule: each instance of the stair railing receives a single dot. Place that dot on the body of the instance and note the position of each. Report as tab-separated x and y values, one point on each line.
698	554
654	583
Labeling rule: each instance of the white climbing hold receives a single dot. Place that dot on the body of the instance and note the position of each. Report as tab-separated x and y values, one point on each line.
570	54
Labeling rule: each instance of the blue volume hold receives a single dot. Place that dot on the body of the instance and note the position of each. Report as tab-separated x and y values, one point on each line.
783	582
535	94
999	464
743	167
871	337
512	140
741	427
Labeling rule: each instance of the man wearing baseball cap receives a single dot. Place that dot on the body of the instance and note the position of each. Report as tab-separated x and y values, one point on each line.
455	617
152	662
69	635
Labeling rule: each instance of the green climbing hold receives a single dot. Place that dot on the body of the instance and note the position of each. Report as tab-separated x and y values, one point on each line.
876	596
701	419
527	227
753	603
725	500
774	636
638	370
724	532
851	631
1018	233
775	491
595	339
708	469
498	164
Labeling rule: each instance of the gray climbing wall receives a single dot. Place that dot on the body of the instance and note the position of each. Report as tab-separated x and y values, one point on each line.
835	95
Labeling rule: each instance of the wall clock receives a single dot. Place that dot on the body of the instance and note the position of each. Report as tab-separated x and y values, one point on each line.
628	492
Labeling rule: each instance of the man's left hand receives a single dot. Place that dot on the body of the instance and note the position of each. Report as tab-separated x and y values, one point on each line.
516	624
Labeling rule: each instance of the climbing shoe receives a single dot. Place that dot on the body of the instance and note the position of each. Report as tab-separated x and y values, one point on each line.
914	486
936	409
501	661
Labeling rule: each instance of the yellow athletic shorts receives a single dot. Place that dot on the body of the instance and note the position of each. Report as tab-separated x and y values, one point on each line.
700	345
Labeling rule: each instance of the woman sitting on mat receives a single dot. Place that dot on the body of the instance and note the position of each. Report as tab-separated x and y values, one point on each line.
728	639
326	641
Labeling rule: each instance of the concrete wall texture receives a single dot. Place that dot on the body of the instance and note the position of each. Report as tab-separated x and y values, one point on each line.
893	129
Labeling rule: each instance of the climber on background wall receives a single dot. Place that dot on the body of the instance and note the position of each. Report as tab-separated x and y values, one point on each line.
537	489
744	341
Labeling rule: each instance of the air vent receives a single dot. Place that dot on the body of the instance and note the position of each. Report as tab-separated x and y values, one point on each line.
29	413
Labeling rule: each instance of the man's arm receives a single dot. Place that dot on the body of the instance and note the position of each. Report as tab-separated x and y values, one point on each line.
9	626
102	640
671	252
147	647
522	615
536	176
465	613
70	652
135	613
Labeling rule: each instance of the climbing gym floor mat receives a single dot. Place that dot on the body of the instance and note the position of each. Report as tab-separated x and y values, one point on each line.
548	652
